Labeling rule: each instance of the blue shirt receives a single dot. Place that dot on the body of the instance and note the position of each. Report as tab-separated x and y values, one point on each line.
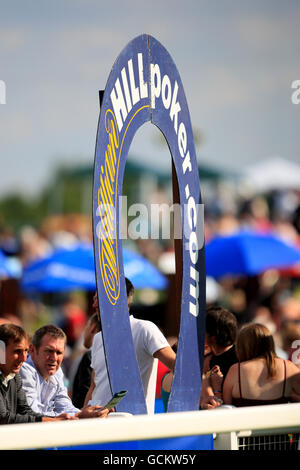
47	397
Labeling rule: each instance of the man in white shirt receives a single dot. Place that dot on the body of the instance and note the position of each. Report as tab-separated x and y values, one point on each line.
43	379
150	345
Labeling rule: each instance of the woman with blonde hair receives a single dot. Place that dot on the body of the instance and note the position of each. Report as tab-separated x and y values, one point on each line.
260	377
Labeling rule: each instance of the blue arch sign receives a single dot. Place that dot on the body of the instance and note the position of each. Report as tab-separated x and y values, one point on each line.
144	85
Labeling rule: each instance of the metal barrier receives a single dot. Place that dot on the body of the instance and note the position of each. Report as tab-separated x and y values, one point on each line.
268	439
282	418
258	439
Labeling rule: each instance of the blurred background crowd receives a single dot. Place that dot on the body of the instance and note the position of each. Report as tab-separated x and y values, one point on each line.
237	63
233	203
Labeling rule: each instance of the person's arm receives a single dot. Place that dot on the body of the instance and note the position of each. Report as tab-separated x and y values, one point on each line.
211	391
167	356
210	403
206	363
8	416
65	408
61	417
62	402
30	385
157	345
216	381
166	382
93	412
91	389
206	389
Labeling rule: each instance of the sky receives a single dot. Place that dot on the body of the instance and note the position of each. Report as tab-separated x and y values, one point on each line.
237	61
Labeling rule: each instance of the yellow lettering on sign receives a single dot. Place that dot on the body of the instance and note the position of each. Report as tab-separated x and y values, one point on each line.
108	254
107	207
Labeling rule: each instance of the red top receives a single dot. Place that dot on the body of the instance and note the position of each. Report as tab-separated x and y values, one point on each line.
161	371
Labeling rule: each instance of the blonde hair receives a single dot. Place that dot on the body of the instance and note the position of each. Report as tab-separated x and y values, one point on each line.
255	340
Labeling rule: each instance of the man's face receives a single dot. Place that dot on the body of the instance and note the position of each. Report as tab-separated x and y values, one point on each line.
49	356
15	355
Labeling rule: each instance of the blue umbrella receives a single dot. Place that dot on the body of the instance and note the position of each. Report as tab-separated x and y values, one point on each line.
142	273
248	253
4	266
62	270
74	268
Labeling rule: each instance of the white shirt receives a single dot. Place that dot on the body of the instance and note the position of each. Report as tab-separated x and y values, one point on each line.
48	397
147	339
6	379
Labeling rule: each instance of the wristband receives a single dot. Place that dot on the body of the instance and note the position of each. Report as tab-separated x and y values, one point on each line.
217	391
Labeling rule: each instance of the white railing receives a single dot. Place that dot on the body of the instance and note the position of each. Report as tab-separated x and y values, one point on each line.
142	427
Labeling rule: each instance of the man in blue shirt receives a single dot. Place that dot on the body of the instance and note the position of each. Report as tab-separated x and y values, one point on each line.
43	380
13	404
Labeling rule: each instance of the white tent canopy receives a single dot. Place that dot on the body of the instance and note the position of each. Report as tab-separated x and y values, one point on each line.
275	173
167	265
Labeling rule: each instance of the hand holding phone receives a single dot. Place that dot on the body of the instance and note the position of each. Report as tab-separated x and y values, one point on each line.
116	398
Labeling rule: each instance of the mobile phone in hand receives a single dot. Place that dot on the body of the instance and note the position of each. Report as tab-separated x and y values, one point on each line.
116	398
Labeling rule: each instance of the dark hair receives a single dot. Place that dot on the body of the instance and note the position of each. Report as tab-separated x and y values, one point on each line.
129	286
51	330
11	332
255	340
222	324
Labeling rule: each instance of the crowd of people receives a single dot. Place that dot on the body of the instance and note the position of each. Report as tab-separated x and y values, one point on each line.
55	365
32	383
241	368
32	388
